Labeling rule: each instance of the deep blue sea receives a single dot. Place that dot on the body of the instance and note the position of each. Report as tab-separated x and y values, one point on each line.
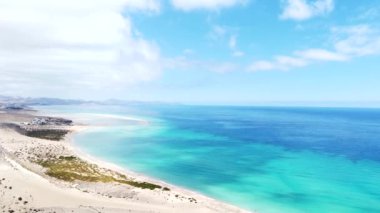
269	159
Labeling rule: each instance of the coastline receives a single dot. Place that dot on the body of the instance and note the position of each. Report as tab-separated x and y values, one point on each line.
175	199
143	177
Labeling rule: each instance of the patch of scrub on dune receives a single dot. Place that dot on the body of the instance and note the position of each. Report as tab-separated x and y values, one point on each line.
71	168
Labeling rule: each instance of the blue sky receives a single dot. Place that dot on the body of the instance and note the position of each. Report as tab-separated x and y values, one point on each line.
310	52
261	34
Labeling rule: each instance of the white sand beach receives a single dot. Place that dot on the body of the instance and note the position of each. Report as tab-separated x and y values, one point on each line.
26	186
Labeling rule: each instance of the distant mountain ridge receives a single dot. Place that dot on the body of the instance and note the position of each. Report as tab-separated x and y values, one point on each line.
38	101
9	101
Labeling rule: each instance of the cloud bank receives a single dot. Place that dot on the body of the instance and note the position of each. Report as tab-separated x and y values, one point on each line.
348	42
305	9
188	5
49	47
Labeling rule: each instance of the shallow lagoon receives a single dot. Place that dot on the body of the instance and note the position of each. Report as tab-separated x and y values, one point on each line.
260	158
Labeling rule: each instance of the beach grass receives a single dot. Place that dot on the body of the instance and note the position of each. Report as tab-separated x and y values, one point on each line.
71	168
48	134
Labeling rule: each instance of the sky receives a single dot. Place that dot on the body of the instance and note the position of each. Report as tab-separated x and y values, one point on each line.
193	51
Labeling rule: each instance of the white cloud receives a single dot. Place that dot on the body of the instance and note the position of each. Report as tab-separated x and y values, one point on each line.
348	42
370	14
279	63
49	47
305	9
232	44
188	5
357	40
286	61
223	67
238	53
321	55
217	32
261	66
188	51
226	34
188	64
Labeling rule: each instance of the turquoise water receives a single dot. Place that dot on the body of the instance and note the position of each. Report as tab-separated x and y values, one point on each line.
264	159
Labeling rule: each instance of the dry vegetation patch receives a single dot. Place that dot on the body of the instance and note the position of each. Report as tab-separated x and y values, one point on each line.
71	168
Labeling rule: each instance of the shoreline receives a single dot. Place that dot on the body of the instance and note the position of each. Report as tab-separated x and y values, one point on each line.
166	198
140	176
104	163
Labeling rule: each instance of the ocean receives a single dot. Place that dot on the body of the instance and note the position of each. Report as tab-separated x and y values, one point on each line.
265	159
